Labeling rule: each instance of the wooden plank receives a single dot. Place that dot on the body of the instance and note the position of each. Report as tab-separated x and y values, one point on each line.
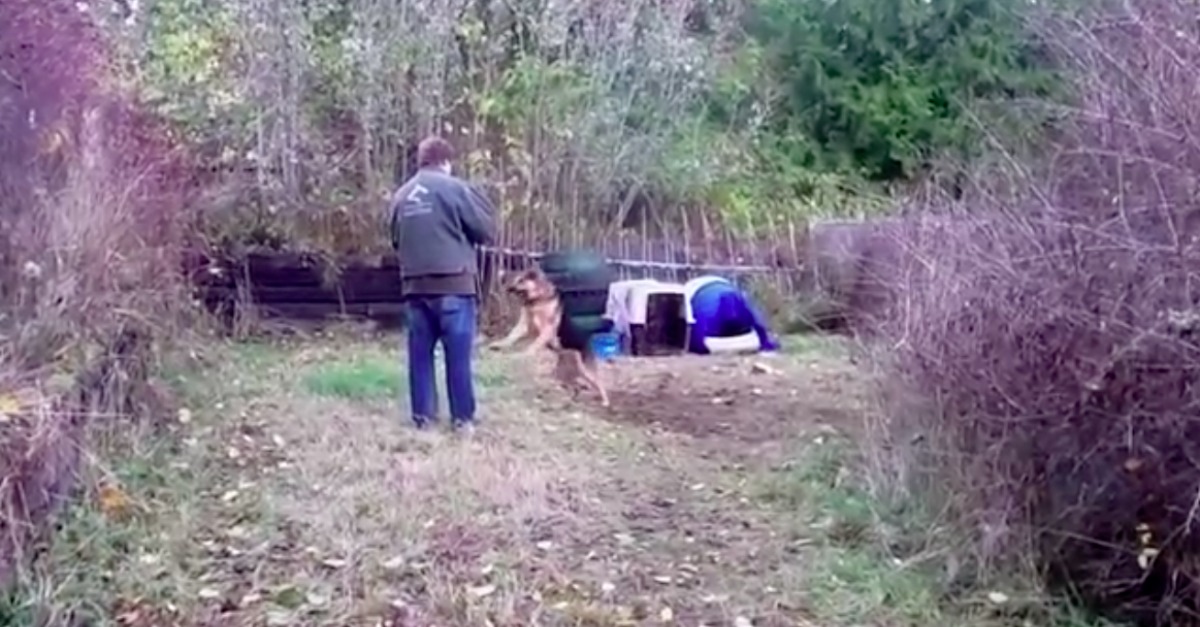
307	294
318	311
660	265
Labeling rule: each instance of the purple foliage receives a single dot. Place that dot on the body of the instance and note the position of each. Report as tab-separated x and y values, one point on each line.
91	196
61	112
1050	352
50	57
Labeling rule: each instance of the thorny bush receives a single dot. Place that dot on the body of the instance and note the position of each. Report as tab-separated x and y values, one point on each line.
91	222
1045	374
91	190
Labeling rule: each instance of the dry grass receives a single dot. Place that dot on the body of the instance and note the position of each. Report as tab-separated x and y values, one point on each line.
92	196
281	499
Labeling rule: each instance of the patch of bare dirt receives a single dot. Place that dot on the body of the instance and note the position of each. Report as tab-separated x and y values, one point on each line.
740	400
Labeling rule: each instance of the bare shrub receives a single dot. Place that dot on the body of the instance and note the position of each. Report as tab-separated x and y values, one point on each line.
91	210
1044	374
568	110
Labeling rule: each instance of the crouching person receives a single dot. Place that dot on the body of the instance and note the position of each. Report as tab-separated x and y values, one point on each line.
437	220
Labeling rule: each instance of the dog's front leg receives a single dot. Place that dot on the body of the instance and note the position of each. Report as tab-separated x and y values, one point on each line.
521	329
544	337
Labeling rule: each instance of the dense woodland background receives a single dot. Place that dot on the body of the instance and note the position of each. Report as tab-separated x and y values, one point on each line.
601	115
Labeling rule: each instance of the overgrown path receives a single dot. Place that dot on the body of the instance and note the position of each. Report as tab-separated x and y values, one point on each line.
298	495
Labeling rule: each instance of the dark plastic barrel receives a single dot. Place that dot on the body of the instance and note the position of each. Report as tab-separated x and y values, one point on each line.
582	279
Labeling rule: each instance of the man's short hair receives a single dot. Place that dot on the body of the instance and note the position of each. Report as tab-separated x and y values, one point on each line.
434	150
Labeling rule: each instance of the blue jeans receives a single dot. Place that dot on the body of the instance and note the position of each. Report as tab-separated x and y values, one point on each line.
450	320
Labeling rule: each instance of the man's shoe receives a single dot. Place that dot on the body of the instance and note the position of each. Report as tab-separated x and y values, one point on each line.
424	424
465	430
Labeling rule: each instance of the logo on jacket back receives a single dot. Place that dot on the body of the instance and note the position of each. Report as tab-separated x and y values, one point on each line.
416	202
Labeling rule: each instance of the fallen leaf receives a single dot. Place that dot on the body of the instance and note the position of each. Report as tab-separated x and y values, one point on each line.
999	598
9	404
251	599
482	591
229	496
760	368
666	615
396	563
607	587
545	545
663	579
334	563
114	503
742	621
289	597
184	416
314	599
209	594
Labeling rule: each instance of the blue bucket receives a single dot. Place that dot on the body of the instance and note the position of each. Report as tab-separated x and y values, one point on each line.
606	345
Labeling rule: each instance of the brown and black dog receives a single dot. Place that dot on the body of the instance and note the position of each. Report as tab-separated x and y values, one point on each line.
542	321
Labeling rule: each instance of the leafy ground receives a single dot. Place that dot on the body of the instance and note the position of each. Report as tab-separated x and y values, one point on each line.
291	491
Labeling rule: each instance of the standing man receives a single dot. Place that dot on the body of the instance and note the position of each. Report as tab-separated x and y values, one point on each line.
437	220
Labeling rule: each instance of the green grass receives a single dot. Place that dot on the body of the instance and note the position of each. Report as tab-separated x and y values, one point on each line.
378	377
849	586
819	344
96	560
873	563
366	378
852	581
152	554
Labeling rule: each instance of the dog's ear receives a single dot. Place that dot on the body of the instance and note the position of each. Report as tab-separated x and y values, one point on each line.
532	274
513	277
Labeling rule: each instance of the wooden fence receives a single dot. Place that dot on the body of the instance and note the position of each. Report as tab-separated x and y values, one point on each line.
305	287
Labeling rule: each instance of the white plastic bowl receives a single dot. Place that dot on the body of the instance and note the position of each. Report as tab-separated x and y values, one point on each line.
747	343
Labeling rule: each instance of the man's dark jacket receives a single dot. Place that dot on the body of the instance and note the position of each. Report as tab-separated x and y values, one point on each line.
437	220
